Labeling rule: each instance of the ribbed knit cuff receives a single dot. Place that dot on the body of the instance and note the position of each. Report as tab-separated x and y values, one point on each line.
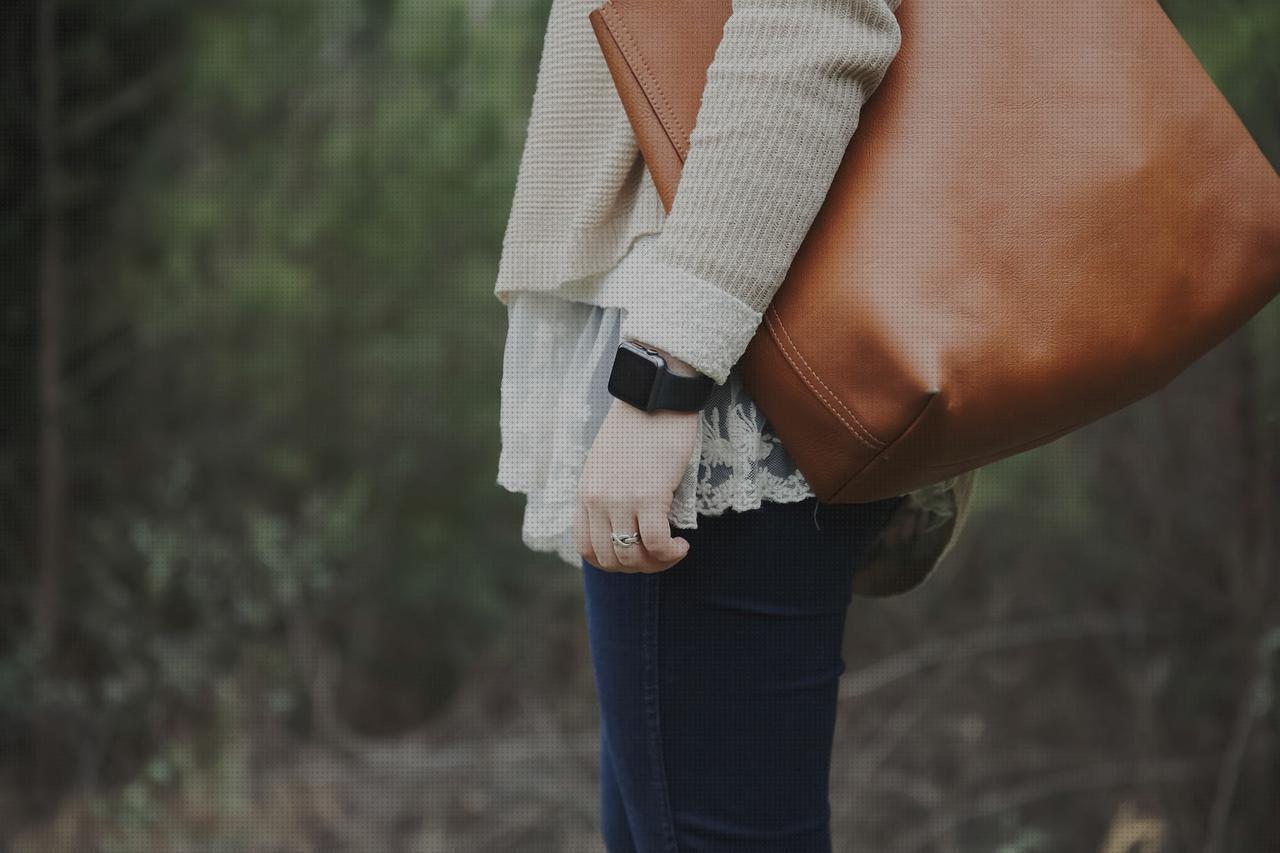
675	310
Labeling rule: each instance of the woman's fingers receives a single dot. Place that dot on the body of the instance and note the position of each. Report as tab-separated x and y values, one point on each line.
582	536
600	541
664	550
593	524
622	520
657	550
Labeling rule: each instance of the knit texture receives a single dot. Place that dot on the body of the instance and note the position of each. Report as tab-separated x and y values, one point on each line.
782	101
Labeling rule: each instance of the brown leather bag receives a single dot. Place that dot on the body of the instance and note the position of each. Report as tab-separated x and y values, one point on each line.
1048	211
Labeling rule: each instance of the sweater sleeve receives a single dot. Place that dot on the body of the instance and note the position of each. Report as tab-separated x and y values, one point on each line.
782	100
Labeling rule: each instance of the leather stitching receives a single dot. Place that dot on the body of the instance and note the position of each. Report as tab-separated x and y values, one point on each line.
862	432
804	373
883	455
675	130
873	443
650	85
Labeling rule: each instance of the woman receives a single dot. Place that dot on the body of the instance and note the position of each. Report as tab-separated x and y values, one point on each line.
716	586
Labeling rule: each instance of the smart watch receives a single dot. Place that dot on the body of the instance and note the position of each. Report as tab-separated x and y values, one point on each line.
640	377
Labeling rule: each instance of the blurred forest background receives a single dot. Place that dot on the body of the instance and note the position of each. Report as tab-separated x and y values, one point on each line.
259	591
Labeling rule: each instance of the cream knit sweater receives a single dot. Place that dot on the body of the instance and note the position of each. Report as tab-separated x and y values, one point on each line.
782	101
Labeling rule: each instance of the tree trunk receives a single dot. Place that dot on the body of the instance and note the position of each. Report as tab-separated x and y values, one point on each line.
53	487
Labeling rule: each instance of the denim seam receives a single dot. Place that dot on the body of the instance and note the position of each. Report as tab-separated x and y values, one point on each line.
650	645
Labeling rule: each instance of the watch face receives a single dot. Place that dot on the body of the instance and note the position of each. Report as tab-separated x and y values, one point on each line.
632	377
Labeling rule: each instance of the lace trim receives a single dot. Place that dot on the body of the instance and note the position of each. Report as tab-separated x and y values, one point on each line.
741	463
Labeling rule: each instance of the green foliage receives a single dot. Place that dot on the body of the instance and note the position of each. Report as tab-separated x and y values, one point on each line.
316	274
297	445
1236	41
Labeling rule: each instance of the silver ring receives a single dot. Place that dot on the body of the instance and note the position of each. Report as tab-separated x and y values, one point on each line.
624	540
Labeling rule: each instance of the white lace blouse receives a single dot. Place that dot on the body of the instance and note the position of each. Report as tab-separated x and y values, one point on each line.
554	397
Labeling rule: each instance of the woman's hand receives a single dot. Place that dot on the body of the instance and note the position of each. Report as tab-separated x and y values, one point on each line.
627	483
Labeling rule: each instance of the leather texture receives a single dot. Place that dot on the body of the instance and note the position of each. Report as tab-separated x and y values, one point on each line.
1047	213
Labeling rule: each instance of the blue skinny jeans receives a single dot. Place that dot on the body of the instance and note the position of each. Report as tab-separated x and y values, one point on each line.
718	678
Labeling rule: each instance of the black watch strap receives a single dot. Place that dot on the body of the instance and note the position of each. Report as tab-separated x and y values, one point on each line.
682	393
641	378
